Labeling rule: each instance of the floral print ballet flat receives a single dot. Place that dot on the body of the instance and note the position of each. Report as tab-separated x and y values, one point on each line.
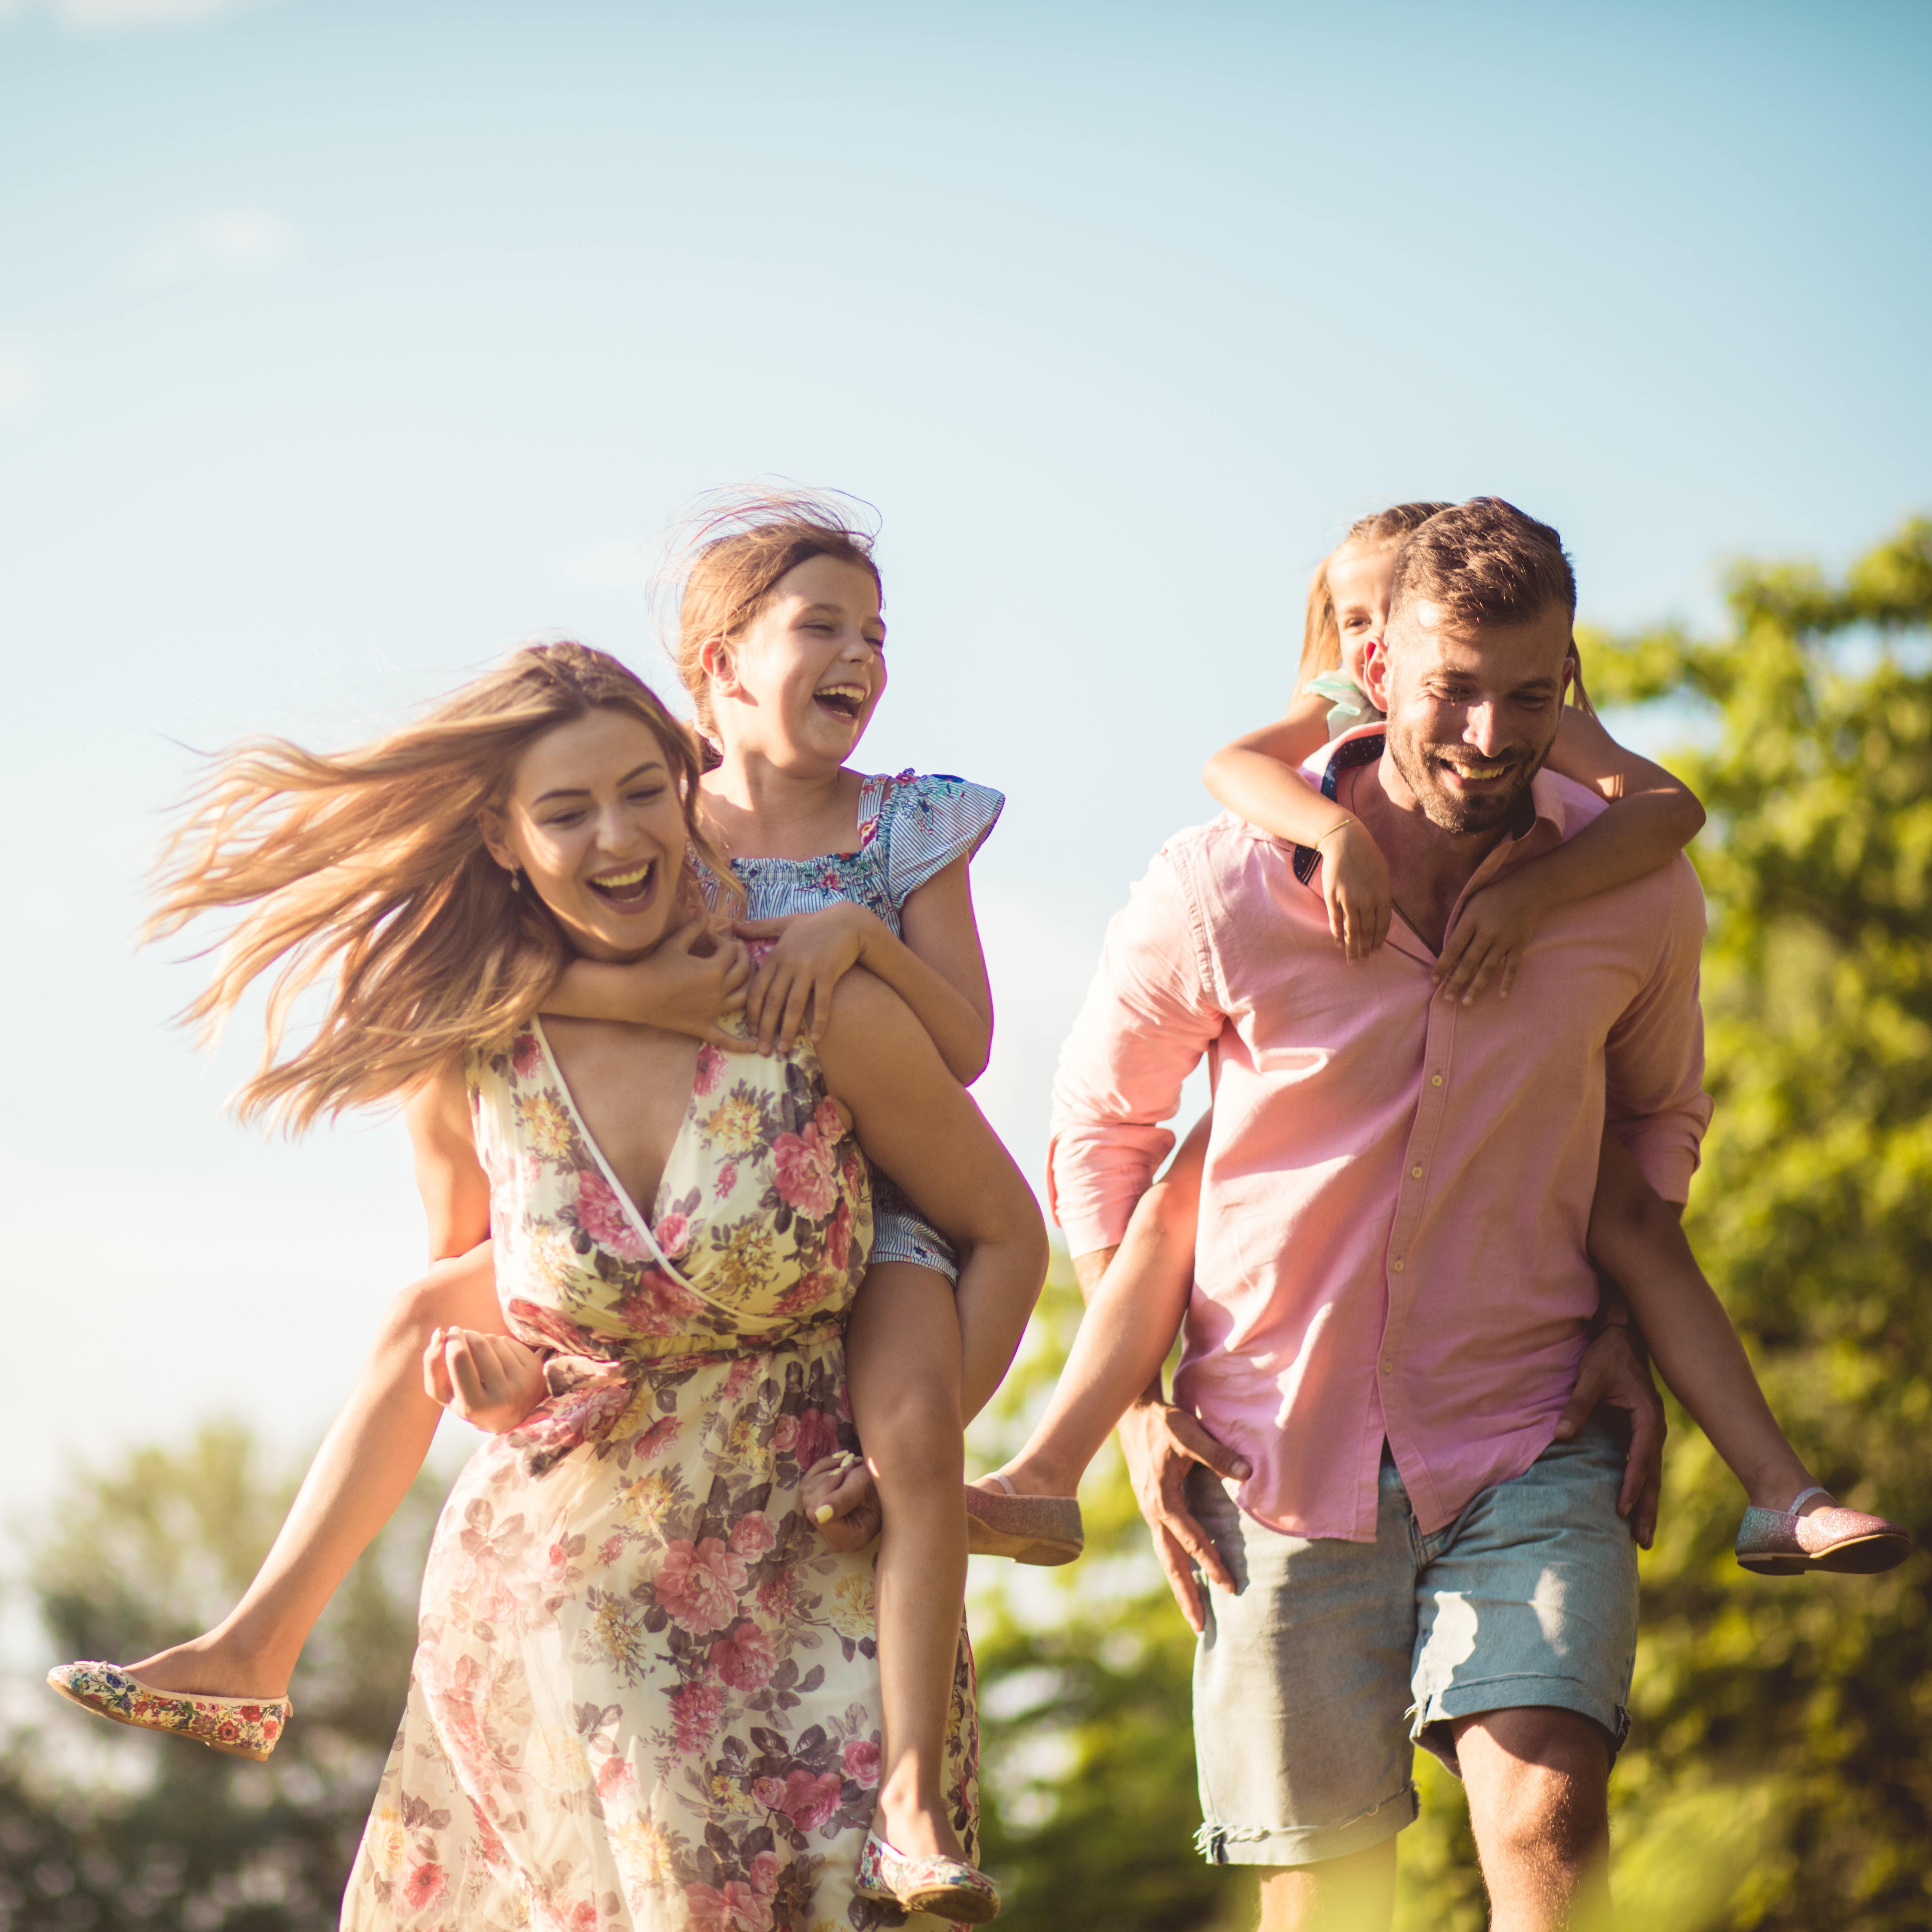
248	1727
1781	1543
946	1887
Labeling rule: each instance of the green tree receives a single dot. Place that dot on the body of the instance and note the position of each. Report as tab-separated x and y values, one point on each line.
1794	1720
167	1834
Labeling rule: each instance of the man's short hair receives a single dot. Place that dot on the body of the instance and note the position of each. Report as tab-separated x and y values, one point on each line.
1484	562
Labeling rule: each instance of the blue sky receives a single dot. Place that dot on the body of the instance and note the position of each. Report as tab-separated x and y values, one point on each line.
343	344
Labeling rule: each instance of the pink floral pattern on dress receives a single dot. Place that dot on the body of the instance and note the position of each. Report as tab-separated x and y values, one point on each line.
645	1693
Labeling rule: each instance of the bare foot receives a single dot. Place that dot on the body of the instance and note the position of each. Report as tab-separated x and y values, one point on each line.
204	1666
838	1494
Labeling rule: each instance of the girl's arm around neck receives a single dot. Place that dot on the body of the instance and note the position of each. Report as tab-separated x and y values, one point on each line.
1256	776
455	1191
917	1123
1651	818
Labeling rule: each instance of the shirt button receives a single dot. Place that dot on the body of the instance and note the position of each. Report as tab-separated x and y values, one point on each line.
1415	1173
1388	1365
1435	1080
1398	1264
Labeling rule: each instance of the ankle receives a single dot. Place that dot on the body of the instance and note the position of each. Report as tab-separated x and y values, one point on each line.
1042	1473
1773	1486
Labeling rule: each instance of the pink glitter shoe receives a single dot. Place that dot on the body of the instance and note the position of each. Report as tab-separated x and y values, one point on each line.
1781	1543
1000	1522
241	1727
946	1887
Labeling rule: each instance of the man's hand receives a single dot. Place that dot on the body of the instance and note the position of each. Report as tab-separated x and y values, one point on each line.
493	1381
1160	1441
1613	1375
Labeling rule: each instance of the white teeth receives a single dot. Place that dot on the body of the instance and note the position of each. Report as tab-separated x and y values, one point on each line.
611	881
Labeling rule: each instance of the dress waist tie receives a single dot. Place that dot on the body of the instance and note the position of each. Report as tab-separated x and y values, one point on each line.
591	1396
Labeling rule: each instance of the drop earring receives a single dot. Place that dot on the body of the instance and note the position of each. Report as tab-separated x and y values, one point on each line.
516	878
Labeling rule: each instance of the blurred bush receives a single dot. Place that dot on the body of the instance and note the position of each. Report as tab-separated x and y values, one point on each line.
111	1827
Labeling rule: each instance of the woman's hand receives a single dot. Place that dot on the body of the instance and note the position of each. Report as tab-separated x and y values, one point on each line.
493	1381
794	981
1355	888
839	1497
1490	939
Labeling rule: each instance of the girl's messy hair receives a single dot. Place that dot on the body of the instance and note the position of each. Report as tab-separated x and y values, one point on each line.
367	868
1320	633
735	549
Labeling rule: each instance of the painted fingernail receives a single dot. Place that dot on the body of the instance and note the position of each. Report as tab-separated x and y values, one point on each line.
823	1513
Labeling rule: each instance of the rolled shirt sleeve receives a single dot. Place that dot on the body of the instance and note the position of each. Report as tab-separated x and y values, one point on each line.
1149	1016
1654	1056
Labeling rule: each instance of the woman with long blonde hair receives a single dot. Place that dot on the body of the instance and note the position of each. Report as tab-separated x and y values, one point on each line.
646	1691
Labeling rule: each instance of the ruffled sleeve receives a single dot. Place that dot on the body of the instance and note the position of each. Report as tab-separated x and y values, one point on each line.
926	821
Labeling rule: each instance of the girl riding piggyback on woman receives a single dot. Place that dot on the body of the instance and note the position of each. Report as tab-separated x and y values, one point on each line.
781	645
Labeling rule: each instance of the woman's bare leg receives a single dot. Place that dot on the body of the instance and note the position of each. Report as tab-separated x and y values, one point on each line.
903	1356
372	1454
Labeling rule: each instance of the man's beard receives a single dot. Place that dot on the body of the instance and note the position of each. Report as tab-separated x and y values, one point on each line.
1453	812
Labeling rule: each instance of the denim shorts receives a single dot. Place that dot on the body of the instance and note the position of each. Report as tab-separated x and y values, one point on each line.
1317	1675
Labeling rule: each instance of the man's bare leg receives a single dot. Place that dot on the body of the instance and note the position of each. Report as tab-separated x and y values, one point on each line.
372	1454
1354	1894
1538	1780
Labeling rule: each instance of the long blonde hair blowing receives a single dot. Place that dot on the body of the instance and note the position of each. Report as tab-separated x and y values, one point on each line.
367	868
735	550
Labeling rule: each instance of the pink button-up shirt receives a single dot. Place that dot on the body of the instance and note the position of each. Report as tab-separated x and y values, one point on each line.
1397	1189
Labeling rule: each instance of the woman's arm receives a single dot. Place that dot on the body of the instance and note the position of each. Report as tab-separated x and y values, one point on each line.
455	1191
1636	1240
938	969
1652	817
484	1375
686	985
1256	777
917	1123
1132	1319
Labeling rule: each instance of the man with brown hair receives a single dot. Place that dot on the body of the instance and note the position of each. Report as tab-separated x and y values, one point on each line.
1395	1340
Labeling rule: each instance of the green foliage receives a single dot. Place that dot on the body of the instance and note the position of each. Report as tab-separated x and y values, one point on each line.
1801	1713
123	1829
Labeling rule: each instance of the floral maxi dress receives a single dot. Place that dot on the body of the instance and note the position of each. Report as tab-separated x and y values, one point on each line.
645	1692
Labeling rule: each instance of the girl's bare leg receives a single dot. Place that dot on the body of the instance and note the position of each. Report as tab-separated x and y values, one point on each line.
370	1456
903	1357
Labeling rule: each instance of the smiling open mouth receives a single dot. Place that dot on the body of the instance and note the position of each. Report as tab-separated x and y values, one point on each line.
1476	771
629	888
844	701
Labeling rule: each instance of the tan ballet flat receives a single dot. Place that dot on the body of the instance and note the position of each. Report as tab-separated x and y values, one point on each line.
1042	1530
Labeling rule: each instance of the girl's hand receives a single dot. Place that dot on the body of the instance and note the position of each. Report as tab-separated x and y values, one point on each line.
687	985
1355	889
493	1381
1490	939
815	950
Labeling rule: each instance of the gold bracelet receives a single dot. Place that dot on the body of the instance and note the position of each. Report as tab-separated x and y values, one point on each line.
1341	826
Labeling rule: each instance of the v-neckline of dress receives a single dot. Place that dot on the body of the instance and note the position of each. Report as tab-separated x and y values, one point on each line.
631	1208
